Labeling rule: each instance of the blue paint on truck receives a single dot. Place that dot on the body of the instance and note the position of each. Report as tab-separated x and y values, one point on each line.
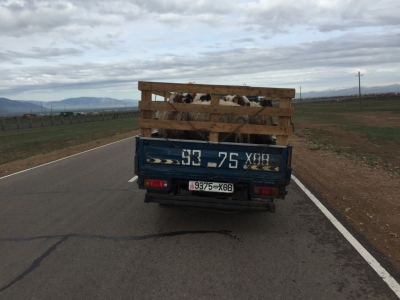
258	173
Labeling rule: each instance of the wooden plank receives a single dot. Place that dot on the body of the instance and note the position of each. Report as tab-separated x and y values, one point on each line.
214	117
237	110
146	114
216	127
216	89
283	121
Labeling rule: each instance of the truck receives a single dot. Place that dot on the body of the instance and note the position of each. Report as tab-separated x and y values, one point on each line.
212	173
66	113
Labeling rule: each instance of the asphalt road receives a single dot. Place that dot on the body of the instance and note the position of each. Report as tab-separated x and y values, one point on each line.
77	229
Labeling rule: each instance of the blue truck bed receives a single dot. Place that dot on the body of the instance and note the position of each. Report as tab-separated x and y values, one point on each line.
259	173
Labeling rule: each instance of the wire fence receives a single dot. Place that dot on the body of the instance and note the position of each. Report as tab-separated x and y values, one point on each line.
34	121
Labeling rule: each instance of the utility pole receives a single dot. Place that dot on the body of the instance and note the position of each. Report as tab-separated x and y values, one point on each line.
359	87
300	95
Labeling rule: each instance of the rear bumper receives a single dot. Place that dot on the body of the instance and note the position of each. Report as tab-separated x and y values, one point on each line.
206	202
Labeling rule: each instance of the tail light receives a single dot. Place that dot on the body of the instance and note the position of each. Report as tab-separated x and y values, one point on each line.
266	191
156	183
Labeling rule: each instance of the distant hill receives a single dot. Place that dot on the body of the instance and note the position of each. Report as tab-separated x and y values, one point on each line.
93	102
40	103
8	106
395	88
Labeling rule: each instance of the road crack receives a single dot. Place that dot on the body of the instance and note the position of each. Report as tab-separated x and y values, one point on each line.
63	238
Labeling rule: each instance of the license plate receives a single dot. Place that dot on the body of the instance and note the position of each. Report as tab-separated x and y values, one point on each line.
211	186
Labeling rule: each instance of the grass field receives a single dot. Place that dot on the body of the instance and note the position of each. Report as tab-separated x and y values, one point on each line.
11	123
23	143
370	135
340	113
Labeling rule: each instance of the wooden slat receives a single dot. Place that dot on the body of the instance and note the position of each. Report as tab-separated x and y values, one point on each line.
214	117
237	110
216	127
283	121
146	114
216	89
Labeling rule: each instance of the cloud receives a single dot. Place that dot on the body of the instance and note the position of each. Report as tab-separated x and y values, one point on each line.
319	14
346	51
187	7
28	17
243	40
39	53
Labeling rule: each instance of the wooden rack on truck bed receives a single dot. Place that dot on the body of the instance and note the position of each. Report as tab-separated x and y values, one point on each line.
284	112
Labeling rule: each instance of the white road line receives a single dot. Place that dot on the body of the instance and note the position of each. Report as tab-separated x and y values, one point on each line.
65	158
133	179
391	282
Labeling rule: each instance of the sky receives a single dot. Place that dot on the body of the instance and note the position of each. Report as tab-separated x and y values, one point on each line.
58	49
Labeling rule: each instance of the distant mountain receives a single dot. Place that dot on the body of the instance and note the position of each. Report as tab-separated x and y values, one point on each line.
40	103
8	106
395	88
93	102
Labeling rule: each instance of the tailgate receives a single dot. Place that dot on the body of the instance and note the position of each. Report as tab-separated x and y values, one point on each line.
211	161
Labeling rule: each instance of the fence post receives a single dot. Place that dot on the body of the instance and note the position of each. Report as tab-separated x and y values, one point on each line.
79	120
18	123
3	124
42	122
62	120
30	122
52	120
